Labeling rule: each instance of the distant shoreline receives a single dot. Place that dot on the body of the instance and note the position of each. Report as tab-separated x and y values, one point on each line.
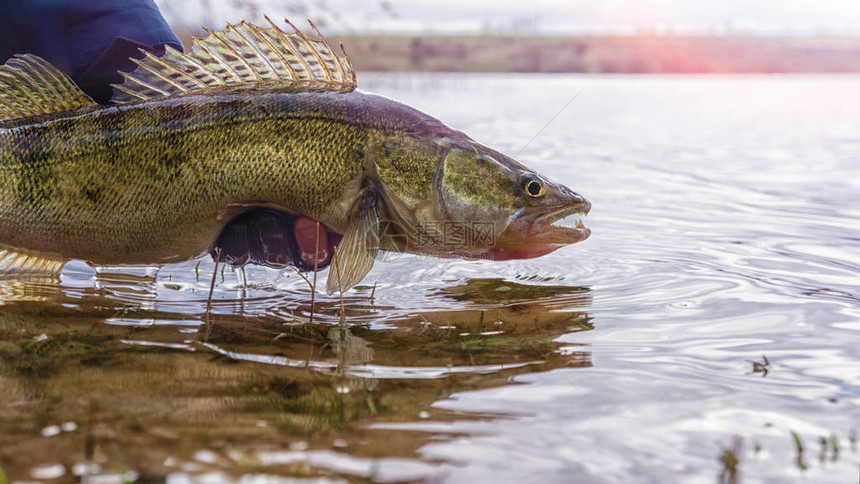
602	54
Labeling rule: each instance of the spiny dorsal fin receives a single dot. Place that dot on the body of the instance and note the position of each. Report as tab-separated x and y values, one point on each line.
30	86
240	54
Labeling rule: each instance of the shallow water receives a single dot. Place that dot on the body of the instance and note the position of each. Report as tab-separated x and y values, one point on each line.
713	315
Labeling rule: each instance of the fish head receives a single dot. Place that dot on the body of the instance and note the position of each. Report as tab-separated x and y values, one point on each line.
506	210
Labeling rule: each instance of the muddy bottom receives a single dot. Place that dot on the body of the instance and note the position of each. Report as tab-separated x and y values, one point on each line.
92	388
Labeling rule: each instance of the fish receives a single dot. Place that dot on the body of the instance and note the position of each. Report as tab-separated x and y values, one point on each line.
253	125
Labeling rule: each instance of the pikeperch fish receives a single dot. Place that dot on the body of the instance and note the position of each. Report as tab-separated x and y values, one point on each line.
252	118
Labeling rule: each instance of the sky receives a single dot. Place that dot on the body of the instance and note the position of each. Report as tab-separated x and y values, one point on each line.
779	17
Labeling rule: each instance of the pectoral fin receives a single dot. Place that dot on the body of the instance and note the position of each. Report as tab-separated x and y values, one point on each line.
354	256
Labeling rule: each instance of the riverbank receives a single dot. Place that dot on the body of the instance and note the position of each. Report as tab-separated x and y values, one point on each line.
606	54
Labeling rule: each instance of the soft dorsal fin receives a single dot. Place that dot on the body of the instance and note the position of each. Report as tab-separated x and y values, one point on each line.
240	54
30	86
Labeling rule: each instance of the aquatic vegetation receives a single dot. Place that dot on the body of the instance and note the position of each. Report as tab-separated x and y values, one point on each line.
762	367
730	460
798	447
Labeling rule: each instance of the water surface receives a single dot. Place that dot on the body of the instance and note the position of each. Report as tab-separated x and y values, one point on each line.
709	328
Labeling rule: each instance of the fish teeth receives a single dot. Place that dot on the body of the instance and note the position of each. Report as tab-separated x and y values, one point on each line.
574	220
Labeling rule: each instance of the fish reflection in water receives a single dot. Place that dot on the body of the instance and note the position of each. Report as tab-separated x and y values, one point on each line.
149	389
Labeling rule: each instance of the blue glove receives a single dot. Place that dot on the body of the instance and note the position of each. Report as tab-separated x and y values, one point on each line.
88	40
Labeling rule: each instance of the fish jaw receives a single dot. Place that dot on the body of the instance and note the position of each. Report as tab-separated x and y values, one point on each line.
535	232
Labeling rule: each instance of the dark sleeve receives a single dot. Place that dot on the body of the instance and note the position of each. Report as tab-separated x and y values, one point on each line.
88	40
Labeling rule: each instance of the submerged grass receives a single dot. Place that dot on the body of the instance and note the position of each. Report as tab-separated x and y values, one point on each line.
730	461
798	447
43	349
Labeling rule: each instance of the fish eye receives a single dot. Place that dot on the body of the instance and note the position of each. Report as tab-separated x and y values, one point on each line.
534	188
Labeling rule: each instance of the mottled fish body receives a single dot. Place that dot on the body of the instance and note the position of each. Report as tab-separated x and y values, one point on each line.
158	180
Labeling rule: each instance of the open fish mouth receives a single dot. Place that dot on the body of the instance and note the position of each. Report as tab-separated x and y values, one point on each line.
566	216
563	225
543	230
